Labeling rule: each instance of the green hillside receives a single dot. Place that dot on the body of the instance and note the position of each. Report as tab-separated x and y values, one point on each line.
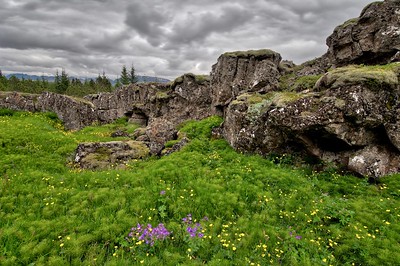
206	204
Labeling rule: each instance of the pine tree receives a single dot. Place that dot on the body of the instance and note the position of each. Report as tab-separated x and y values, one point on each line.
61	82
3	82
117	83
64	80
124	76
132	76
56	81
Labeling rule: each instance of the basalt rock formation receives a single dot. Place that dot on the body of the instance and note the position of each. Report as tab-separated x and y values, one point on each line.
74	112
372	38
349	118
346	117
242	71
329	109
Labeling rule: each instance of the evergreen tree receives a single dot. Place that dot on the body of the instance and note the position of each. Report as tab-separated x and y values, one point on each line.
44	83
61	82
64	80
56	80
124	76
13	84
3	82
103	84
117	83
132	76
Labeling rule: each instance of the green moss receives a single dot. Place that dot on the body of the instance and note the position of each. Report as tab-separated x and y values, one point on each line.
305	82
251	53
171	143
101	154
201	79
252	98
281	99
369	6
290	82
80	100
162	95
285	81
256	110
374	77
178	80
349	22
141	149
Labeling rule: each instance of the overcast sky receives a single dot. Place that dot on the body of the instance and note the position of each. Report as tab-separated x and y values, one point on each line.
161	38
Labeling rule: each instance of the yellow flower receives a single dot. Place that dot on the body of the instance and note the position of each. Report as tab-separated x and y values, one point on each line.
61	245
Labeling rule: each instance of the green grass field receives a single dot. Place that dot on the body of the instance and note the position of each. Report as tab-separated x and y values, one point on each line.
206	204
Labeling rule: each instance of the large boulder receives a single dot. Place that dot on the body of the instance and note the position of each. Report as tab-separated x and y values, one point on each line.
372	38
101	155
351	114
246	71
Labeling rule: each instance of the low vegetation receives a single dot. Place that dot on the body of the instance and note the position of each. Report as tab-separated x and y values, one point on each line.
64	84
205	204
375	77
256	53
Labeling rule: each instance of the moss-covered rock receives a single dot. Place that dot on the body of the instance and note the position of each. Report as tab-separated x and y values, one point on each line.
100	155
373	77
260	54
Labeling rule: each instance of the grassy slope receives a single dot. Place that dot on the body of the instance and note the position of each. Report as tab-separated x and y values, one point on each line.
53	215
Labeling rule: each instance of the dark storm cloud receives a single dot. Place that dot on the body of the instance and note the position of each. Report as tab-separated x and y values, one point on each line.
23	39
146	19
163	38
204	24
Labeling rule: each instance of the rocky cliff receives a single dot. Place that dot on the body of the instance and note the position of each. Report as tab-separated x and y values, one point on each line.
74	112
372	38
341	109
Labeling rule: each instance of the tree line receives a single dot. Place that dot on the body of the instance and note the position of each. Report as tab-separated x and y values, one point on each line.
64	84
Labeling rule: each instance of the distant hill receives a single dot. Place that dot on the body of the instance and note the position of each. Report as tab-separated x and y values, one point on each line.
141	79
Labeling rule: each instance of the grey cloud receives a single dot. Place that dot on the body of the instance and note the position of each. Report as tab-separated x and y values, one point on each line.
145	19
198	26
28	39
167	38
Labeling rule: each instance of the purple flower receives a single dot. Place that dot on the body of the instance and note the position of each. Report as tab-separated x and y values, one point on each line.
187	219
298	237
195	230
162	192
149	234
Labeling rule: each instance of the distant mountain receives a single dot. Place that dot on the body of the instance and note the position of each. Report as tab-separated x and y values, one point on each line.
141	79
32	77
